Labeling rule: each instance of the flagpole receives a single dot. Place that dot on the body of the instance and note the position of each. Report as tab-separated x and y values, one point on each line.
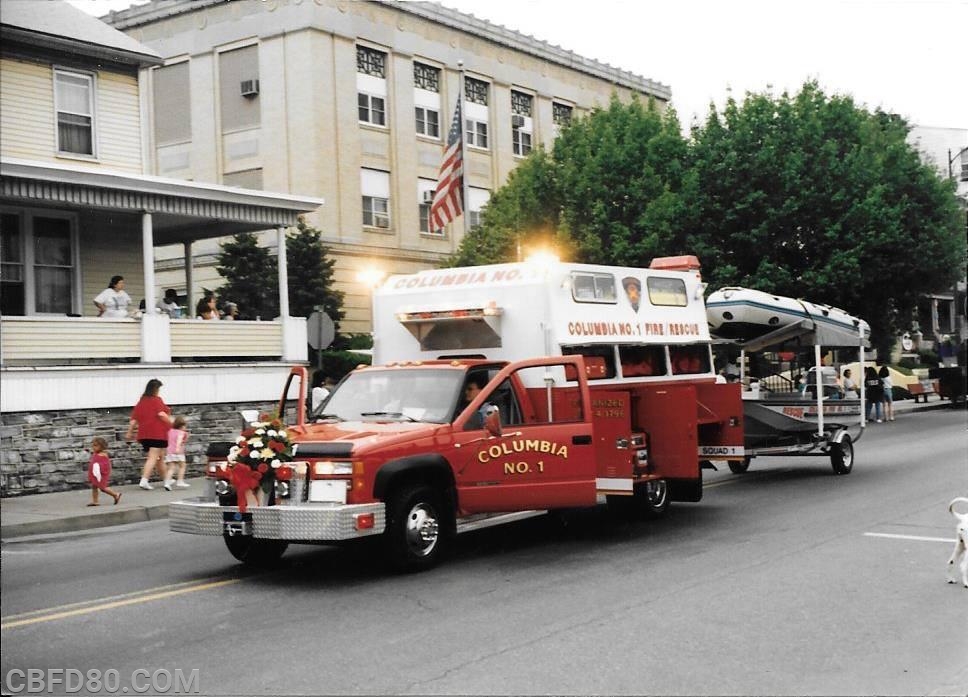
463	152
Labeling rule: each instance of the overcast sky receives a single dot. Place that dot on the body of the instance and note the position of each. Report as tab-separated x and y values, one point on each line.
904	56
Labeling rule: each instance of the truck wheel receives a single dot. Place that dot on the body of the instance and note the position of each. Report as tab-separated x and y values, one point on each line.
653	498
252	552
737	467
416	532
842	456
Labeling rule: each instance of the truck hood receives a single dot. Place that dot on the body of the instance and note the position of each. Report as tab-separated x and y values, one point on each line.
345	438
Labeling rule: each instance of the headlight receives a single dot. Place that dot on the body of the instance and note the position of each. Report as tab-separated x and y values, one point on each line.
325	468
282	489
222	487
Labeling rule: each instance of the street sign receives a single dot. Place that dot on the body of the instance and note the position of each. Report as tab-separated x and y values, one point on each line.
320	330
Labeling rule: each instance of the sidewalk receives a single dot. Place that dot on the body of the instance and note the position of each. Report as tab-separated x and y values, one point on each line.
67	511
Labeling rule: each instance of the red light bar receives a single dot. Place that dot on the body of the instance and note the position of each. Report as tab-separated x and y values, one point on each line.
686	262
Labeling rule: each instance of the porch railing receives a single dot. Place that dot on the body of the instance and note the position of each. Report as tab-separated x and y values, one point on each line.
194	338
26	341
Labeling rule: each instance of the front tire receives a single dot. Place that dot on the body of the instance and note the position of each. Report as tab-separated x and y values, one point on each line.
417	529
842	456
263	554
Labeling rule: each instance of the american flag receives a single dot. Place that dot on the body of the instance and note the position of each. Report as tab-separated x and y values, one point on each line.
448	198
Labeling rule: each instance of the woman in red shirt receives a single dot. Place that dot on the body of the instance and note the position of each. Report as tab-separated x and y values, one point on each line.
152	419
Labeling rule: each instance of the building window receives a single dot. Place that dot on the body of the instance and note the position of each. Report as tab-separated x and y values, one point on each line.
520	141
371	62
38	259
426	77
560	114
475	91
521	103
375	186
74	103
476	133
372	109
477	199
964	165
428	122
425	196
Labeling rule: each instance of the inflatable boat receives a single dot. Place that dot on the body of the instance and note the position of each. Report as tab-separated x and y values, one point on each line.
744	314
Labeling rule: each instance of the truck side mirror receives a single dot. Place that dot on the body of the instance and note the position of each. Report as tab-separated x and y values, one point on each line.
492	420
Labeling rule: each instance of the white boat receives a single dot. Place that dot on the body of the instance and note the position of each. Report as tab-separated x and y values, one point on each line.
744	314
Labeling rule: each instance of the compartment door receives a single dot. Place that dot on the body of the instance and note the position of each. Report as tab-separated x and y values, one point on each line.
668	414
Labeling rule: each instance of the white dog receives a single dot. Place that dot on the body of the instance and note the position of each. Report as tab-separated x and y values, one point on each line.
960	554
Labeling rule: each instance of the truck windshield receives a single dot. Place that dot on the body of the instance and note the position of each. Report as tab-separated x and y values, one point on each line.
404	394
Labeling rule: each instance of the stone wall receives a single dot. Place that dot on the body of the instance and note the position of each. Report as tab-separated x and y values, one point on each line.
48	451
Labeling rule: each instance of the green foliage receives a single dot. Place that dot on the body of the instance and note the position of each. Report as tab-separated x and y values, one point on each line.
609	193
806	195
523	212
811	196
310	272
251	277
336	364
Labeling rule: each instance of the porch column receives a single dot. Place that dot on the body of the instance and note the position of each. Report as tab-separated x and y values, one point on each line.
148	260
189	281
294	340
155	326
283	273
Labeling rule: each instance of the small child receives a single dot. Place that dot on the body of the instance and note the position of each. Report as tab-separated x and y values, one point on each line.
175	456
99	471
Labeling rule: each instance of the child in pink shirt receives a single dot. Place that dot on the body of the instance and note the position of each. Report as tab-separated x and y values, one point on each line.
175	457
99	471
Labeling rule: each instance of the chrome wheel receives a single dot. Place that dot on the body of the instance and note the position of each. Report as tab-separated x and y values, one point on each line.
422	530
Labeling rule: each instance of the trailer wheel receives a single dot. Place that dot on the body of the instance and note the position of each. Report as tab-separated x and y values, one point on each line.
842	456
654	498
415	535
737	467
252	552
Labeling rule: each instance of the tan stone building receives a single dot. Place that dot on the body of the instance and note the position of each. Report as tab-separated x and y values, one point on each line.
351	102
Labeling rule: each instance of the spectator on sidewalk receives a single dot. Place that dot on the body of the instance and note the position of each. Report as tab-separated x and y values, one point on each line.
175	455
151	417
875	394
99	471
888	388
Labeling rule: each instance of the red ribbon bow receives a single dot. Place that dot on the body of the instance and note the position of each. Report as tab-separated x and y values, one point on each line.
244	479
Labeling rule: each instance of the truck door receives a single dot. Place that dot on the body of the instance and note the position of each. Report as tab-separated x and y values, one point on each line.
545	455
668	414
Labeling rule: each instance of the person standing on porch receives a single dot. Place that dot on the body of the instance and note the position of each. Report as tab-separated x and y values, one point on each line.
151	418
113	301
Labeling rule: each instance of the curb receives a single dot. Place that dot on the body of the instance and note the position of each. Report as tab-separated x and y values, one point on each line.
84	522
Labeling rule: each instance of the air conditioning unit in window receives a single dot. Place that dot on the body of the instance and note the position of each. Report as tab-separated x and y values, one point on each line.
517	121
428	197
249	88
381	221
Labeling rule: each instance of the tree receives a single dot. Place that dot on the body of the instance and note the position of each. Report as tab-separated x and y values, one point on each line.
610	192
811	196
251	276
310	271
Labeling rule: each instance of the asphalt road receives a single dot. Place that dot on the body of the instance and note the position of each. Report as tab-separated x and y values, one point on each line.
785	580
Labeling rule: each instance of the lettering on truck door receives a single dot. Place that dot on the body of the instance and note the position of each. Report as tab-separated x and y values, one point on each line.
539	461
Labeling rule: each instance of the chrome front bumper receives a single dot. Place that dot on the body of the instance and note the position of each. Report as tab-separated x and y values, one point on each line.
316	522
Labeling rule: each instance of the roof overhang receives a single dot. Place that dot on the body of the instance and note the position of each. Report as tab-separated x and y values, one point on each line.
181	210
76	47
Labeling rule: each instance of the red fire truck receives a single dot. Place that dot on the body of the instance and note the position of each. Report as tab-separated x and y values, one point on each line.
497	392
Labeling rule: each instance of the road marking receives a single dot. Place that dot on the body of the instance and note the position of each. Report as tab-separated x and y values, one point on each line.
84	608
917	538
